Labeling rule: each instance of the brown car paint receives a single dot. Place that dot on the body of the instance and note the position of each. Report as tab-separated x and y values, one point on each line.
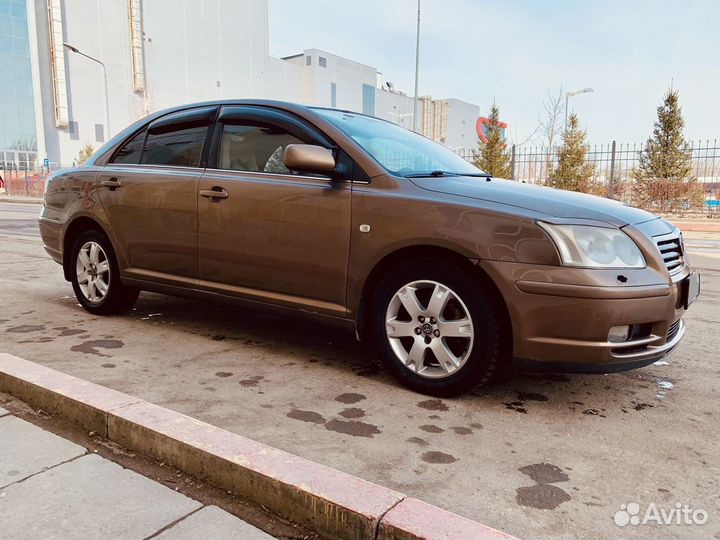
312	244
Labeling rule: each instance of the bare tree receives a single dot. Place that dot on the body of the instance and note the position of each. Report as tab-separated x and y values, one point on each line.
550	124
24	145
529	137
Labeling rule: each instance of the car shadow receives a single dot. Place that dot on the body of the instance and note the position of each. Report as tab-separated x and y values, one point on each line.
338	349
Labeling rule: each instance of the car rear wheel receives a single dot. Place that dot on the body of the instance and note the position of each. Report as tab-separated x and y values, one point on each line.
435	327
96	278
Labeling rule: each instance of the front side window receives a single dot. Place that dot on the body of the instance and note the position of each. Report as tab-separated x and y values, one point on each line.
130	151
254	148
180	147
397	149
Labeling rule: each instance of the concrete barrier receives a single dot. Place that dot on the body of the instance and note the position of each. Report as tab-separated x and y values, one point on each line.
333	503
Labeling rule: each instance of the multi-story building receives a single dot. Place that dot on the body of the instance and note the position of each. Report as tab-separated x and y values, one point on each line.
76	72
17	109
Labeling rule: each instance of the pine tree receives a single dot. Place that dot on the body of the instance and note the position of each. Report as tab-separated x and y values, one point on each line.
664	179
85	152
491	156
573	171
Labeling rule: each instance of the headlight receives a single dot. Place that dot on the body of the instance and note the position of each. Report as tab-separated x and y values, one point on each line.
595	247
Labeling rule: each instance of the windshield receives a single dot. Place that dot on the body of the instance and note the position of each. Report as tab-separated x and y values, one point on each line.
400	151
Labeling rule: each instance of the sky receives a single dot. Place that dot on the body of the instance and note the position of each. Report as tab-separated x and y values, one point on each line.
512	52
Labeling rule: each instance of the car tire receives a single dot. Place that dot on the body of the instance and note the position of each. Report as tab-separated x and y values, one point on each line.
96	277
465	333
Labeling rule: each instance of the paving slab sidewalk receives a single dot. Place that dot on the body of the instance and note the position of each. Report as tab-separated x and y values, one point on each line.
53	488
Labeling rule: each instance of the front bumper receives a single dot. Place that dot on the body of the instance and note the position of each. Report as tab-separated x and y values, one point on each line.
561	317
646	355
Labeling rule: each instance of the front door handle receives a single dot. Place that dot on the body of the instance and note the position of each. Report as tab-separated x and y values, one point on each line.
214	193
111	183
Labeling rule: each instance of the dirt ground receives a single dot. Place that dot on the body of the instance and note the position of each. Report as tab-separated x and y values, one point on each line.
541	456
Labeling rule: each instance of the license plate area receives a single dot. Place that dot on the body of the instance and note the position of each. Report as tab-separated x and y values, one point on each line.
690	289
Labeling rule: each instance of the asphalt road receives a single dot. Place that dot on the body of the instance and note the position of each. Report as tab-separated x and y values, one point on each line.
542	456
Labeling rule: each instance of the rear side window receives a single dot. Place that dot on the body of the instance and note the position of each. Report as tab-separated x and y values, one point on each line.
180	147
130	152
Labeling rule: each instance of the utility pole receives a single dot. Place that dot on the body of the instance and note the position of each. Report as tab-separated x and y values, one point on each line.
417	67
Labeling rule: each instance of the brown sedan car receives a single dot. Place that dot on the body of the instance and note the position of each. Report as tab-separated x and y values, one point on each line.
452	274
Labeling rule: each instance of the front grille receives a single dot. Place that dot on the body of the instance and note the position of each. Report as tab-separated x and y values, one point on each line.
671	250
673	330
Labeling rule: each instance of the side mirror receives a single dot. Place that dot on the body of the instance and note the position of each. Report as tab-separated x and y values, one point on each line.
308	158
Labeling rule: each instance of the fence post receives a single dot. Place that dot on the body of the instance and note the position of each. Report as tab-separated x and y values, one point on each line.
512	164
611	183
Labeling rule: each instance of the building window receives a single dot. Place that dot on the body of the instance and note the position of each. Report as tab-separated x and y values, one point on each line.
308	60
99	133
322	61
333	94
368	99
73	129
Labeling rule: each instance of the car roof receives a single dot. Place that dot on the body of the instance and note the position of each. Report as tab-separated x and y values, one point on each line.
104	152
309	113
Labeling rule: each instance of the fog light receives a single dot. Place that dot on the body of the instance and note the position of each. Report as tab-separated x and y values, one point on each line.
618	334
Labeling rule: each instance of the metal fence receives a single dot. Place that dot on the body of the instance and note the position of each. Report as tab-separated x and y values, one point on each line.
612	165
22	181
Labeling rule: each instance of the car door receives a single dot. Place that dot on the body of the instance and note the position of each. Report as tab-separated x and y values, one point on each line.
149	191
270	234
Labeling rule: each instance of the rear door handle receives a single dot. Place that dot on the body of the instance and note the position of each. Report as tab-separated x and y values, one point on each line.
111	183
214	193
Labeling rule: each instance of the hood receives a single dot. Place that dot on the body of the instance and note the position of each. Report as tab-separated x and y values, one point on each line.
552	202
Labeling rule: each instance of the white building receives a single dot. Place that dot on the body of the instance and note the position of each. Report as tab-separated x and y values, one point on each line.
162	53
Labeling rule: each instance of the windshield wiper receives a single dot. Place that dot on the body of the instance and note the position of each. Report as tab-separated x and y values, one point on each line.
430	174
436	174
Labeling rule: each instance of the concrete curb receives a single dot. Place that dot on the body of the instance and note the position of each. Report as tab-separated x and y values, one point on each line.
79	401
20	199
335	504
419	520
697	226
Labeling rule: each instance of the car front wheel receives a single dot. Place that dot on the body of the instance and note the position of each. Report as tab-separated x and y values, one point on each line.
435	327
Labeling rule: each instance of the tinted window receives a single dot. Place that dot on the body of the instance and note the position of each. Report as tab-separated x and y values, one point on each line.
254	148
179	147
130	152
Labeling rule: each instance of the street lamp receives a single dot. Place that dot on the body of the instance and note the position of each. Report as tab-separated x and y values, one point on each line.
417	66
568	95
105	85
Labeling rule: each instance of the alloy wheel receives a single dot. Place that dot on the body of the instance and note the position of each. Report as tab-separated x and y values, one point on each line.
429	329
93	272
